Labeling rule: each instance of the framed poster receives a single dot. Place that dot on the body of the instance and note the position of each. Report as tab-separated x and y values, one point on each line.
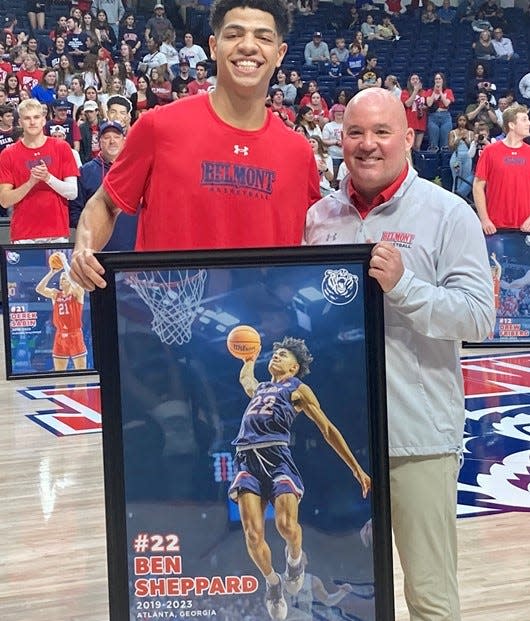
226	461
47	330
509	253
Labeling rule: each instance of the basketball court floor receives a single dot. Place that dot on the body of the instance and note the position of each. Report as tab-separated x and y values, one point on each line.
53	564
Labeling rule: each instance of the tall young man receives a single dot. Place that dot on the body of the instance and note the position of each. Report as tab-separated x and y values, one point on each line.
501	188
236	192
37	176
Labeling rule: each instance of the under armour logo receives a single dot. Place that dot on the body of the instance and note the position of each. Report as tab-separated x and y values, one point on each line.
331	237
240	150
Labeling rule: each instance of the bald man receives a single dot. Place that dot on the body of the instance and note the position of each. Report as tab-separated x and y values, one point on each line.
431	261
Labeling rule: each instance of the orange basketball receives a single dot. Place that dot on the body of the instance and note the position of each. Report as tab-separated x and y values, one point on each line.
243	342
55	261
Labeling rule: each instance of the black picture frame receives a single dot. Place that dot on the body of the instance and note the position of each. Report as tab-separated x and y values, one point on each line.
152	485
29	331
509	253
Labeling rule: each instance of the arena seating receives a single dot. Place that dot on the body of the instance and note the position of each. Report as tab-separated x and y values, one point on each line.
423	49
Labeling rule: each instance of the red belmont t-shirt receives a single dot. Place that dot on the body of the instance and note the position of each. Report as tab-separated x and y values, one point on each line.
507	174
206	184
437	103
29	79
42	212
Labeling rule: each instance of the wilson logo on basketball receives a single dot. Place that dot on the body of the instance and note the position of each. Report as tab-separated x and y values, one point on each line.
242	348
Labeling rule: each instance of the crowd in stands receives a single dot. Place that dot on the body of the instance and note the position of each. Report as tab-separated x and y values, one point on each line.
455	68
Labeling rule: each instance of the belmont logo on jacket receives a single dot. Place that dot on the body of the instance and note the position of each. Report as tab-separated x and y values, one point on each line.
401	240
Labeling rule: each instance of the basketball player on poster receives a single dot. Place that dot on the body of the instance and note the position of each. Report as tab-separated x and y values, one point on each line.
67	315
264	468
496	273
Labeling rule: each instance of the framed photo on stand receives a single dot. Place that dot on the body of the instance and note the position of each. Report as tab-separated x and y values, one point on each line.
47	327
509	253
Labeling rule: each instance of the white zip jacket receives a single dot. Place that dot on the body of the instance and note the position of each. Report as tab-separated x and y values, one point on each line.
444	296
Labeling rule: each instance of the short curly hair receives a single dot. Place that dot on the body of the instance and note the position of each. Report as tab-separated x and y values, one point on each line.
277	8
298	348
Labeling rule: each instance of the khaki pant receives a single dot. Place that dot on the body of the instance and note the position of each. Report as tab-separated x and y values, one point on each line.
423	502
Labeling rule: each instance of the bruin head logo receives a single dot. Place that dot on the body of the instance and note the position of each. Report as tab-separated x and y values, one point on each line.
12	257
339	286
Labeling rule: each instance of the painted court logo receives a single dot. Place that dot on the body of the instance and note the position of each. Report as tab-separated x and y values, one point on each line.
495	476
66	410
339	286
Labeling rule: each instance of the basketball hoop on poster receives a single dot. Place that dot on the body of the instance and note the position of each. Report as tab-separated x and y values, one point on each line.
174	298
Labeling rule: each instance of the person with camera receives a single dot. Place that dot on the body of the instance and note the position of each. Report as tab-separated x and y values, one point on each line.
480	140
502	178
482	111
481	82
460	140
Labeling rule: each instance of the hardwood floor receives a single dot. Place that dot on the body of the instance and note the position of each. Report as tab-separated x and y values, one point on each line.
494	569
53	566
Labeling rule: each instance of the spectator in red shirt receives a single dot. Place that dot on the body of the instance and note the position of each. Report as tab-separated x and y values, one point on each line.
144	99
161	87
320	108
502	178
29	76
281	111
37	176
200	85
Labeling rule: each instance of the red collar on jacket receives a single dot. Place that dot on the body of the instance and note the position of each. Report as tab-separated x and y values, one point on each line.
363	206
